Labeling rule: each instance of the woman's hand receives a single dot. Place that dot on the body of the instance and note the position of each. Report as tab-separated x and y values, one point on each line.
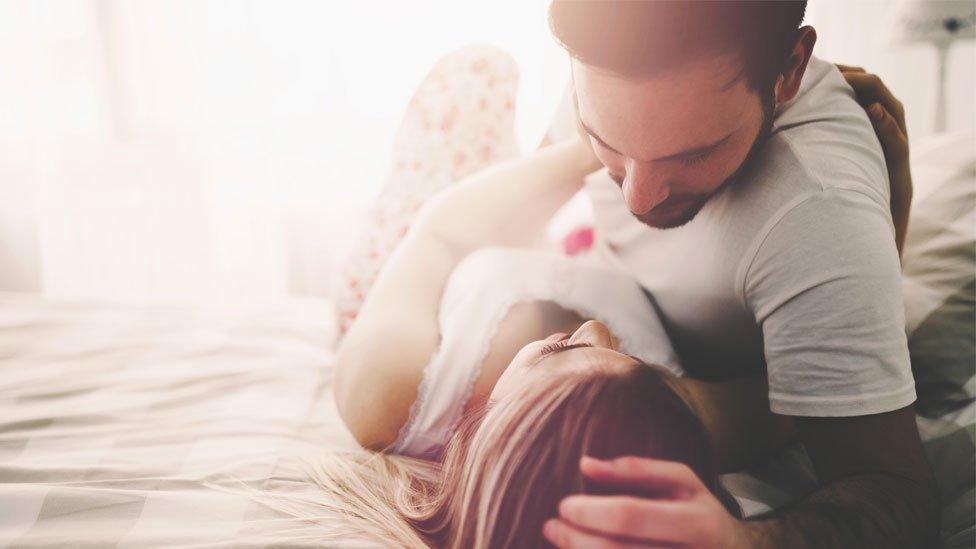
888	118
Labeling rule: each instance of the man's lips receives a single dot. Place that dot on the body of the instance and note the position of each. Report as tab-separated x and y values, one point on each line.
671	205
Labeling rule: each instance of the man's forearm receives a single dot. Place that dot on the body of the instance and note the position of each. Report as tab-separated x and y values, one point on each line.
863	511
736	417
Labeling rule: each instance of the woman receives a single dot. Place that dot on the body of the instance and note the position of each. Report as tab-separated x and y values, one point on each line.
509	442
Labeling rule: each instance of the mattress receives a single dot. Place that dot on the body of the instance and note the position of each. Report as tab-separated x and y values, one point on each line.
134	426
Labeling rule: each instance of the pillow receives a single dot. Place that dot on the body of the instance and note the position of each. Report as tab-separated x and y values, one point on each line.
939	284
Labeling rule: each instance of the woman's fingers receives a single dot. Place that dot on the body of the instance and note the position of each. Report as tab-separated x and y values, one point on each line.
887	115
849	68
870	89
892	136
894	143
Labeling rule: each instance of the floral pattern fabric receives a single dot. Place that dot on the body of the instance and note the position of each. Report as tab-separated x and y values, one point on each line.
460	120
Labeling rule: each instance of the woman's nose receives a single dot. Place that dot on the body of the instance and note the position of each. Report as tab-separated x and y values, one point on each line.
595	333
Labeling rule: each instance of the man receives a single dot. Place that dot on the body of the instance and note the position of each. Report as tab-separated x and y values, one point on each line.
746	190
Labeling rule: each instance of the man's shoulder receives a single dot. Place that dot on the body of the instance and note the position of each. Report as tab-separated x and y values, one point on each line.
829	137
808	223
822	141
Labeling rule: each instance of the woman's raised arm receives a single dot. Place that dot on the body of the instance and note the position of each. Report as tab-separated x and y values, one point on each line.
510	204
887	115
380	361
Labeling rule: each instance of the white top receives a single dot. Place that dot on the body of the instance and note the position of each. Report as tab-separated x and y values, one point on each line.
793	267
477	297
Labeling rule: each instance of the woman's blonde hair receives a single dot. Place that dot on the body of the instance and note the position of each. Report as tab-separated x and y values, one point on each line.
508	464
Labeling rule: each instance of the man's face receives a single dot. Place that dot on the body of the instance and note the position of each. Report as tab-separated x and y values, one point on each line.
672	140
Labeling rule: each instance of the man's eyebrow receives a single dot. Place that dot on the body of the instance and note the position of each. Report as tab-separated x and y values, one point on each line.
688	153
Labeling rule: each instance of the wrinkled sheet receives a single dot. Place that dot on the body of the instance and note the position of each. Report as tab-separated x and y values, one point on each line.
134	426
118	422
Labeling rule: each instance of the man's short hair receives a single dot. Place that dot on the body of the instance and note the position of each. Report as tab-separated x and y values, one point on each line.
636	39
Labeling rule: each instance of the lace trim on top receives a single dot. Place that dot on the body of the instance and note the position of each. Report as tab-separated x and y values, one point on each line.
479	294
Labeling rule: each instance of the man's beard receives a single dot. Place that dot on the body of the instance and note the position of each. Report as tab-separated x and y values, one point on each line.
678	210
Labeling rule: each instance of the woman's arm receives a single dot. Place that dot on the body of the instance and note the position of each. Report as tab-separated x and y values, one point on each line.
887	115
380	361
512	203
736	417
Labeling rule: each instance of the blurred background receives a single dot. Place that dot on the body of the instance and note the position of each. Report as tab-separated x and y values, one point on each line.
227	150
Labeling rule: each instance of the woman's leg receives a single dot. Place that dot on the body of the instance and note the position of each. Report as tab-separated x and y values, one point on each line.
460	120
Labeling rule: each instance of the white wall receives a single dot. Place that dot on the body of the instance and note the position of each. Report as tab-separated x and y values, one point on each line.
185	149
856	32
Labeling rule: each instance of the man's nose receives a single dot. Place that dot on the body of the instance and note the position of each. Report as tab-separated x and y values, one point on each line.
644	188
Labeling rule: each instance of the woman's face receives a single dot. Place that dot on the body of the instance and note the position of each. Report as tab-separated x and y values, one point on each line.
590	346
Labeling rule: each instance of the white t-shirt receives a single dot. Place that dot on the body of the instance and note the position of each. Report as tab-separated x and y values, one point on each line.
793	267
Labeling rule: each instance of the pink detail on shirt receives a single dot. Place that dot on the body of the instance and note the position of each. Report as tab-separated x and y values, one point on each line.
578	240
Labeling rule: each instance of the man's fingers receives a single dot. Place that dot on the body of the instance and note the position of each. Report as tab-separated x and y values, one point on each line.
870	89
645	519
566	536
653	476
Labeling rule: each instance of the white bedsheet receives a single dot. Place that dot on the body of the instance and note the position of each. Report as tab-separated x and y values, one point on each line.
125	426
118	421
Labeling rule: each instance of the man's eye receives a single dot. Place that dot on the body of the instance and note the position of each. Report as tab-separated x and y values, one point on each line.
693	160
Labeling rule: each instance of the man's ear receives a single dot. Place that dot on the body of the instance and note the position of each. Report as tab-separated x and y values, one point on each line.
788	81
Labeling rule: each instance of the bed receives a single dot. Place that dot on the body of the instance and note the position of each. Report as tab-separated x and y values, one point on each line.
136	425
120	423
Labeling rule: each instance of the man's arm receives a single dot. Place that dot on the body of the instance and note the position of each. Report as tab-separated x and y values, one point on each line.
736	417
827	293
878	490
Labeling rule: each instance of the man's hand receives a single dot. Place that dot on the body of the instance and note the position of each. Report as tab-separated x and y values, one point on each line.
683	512
888	118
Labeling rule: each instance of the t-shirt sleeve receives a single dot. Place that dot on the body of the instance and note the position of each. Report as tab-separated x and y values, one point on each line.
825	286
